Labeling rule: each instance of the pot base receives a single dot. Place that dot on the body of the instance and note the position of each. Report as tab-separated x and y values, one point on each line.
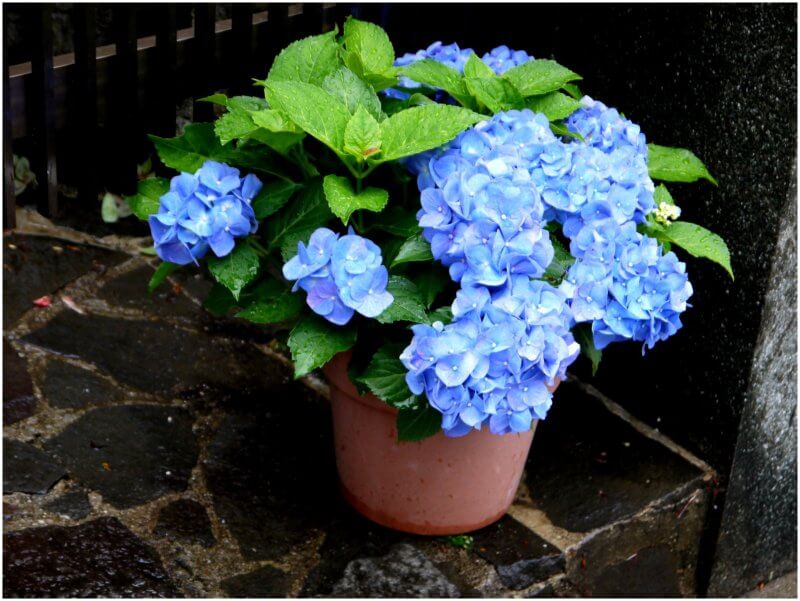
426	529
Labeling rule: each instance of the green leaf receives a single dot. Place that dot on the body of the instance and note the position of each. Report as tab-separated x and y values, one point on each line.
298	220
675	165
421	128
314	342
247	103
555	105
309	60
316	111
539	77
408	303
418	423
370	44
494	93
573	90
584	337
438	75
272	197
560	129
430	283
562	261
233	125
385	377
148	196
219	300
362	136
220	99
443	314
162	272
662	195
343	201
475	67
273	302
696	240
399	222
414	249
352	92
275	121
236	270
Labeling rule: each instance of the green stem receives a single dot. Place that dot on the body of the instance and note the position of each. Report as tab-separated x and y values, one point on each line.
257	246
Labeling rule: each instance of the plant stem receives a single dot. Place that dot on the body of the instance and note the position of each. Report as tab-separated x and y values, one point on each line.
257	246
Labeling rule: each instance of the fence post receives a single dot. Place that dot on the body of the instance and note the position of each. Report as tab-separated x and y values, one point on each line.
84	96
9	198
242	31
40	102
204	53
126	97
166	59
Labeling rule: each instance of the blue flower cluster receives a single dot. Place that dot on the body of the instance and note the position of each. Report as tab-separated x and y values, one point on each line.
497	361
483	214
341	276
500	59
622	282
206	210
481	208
485	199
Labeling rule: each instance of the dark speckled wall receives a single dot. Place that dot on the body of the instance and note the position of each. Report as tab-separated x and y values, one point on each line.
718	79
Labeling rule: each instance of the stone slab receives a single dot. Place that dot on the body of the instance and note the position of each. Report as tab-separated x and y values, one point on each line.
129	291
67	386
130	454
265	582
74	504
28	469
101	558
19	399
34	268
186	521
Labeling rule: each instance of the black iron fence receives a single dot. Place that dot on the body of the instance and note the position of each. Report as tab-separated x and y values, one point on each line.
79	109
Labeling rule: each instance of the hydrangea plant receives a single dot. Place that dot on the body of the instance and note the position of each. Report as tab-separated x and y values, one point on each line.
466	225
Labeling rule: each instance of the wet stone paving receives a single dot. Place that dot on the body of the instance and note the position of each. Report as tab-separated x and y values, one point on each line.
151	450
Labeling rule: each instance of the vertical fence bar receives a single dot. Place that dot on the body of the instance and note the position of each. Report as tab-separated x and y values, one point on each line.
9	198
166	62
277	32
126	97
242	31
204	54
84	96
41	108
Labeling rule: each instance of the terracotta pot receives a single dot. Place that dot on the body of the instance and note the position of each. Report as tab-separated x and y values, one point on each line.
439	485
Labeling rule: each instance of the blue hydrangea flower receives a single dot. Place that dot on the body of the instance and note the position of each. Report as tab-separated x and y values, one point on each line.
604	128
492	365
209	209
341	276
481	207
500	59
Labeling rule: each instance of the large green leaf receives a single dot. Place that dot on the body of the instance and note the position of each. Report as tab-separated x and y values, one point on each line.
147	199
314	341
675	165
343	200
316	111
494	93
369	51
309	60
540	77
418	423
438	75
162	272
236	270
385	377
219	300
662	195
272	197
352	92
422	128
696	240
430	283
233	125
362	136
555	105
413	250
298	220
273	302
408	303
399	222
562	261
584	337
475	67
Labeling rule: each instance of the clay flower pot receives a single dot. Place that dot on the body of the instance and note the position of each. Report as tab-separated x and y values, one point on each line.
438	486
